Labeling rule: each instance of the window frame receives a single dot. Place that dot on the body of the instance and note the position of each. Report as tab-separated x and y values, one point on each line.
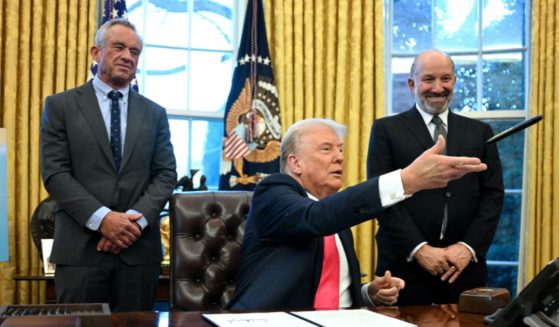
188	115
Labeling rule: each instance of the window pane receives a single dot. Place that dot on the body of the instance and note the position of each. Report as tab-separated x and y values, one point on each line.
511	151
456	25
503	81
206	150
503	24
465	91
179	138
503	276
505	244
165	76
212	24
158	20
402	97
411	30
212	73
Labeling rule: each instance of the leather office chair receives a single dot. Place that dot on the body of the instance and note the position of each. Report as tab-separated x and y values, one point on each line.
207	229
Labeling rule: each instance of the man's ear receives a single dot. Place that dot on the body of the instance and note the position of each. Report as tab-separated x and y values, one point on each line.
411	84
293	164
94	52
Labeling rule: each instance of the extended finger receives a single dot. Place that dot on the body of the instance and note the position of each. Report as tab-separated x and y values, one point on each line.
454	276
448	273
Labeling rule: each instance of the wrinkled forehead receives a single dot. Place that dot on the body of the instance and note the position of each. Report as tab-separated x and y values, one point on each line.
433	62
320	134
124	35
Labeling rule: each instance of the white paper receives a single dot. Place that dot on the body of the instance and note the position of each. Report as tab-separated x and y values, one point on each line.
344	318
46	247
262	319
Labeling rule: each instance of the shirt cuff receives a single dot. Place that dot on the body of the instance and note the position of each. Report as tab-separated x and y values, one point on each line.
96	218
365	295
414	251
143	222
391	189
474	258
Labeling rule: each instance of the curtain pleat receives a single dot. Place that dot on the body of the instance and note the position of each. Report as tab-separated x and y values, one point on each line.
328	61
44	46
540	237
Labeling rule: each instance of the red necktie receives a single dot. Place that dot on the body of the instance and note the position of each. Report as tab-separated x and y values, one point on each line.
328	292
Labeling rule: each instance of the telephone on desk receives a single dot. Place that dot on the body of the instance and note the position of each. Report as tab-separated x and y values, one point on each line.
537	305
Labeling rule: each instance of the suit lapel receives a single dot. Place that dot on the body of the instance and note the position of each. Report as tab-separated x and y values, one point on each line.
455	135
136	113
88	104
416	126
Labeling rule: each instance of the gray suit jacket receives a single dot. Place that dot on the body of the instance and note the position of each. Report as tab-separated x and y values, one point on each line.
79	173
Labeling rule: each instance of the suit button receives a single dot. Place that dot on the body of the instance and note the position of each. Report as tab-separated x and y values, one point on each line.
363	211
448	194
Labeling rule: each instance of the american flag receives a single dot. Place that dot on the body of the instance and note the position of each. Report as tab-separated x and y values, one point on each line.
234	146
252	134
113	9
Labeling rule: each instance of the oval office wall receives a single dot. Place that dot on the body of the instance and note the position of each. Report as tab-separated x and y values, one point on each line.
328	63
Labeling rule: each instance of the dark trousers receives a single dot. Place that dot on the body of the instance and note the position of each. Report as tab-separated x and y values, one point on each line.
432	290
124	287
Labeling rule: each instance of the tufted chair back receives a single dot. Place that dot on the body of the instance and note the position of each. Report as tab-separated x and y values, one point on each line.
207	229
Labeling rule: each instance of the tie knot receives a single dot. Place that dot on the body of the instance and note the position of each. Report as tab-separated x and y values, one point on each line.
114	95
437	120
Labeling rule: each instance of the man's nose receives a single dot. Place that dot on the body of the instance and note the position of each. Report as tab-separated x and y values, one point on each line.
127	54
437	86
339	157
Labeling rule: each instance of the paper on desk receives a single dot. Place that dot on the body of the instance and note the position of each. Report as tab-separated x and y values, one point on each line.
263	319
344	318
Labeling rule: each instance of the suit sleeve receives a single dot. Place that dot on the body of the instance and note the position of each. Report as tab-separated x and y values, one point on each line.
396	220
56	165
291	216
481	230
163	174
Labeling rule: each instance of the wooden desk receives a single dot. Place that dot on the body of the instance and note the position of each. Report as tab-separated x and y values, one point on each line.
162	295
427	316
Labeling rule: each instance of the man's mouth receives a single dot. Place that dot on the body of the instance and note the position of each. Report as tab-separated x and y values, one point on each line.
337	172
442	95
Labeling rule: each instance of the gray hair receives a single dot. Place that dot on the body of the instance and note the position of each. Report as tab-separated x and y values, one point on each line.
416	59
292	137
102	31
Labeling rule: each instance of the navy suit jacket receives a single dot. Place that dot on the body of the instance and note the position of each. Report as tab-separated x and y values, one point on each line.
281	255
79	173
474	201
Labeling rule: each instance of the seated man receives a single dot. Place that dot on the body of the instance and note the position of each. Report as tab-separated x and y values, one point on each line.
298	249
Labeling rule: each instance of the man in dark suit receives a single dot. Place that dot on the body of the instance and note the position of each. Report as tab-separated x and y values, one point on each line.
298	249
107	160
438	239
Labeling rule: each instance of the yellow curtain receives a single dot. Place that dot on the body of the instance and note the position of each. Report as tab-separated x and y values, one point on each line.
542	241
44	46
328	61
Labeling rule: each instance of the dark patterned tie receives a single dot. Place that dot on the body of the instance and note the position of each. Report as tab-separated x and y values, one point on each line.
440	130
116	141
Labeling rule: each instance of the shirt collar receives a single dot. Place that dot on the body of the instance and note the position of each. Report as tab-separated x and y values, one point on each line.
312	196
427	117
104	89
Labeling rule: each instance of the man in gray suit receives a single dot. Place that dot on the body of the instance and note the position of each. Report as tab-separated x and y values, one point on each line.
107	160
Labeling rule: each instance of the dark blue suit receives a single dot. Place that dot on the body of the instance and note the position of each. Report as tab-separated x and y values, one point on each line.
281	256
474	204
